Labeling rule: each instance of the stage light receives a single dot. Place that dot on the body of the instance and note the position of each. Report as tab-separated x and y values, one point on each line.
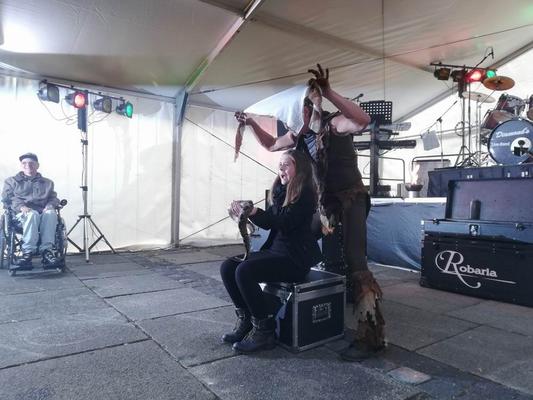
77	99
458	75
125	108
48	92
103	104
442	74
490	73
476	75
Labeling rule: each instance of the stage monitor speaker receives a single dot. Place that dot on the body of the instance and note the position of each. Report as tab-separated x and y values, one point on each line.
424	167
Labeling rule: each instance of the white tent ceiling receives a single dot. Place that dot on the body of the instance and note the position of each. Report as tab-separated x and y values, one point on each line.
229	54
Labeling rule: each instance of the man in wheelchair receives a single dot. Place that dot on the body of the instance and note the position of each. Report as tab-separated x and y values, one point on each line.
33	201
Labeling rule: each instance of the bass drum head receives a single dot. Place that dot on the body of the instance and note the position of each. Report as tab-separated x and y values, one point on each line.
511	142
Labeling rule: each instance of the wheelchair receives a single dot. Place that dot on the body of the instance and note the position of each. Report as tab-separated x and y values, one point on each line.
11	242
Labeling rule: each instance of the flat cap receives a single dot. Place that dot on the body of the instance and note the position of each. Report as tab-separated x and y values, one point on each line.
29	155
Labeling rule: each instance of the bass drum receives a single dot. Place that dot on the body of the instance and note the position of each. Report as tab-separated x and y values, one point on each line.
510	142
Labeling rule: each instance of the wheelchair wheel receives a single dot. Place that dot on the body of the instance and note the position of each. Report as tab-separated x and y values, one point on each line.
3	247
61	243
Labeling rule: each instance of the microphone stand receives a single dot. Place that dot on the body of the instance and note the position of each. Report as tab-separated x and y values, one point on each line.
439	121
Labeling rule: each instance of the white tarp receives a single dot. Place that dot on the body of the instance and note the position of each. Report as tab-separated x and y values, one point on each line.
129	163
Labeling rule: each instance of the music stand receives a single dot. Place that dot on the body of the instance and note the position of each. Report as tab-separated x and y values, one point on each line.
380	113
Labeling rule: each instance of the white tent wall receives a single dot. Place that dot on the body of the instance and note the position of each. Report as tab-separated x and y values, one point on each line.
129	162
210	179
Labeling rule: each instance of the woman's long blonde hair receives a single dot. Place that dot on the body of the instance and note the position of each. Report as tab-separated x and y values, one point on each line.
304	177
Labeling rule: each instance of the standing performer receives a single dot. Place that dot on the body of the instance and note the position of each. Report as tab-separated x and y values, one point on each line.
327	139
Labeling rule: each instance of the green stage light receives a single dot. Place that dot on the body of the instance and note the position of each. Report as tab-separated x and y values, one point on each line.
490	73
125	108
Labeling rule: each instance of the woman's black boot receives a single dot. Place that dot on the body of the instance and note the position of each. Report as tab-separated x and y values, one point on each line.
261	337
242	327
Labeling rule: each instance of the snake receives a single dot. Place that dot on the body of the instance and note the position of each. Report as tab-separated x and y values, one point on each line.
245	227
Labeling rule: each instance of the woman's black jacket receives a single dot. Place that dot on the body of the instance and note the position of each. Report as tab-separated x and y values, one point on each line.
294	221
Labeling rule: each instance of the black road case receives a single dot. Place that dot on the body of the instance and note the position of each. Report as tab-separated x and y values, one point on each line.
312	311
484	246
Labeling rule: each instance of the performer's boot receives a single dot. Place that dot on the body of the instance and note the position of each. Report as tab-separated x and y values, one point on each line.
261	337
242	327
370	333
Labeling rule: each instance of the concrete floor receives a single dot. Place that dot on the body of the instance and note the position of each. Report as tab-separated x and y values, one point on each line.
147	325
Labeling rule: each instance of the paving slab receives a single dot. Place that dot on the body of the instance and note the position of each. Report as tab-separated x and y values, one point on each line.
131	372
314	374
191	257
509	317
491	391
437	301
498	355
409	375
446	382
412	328
195	337
121	285
48	304
169	302
387	279
210	269
95	259
36	281
64	334
92	271
227	251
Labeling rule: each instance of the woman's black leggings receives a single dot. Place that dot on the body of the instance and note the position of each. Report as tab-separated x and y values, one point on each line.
242	278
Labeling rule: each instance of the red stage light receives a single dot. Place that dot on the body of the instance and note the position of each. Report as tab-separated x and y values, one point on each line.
475	75
77	99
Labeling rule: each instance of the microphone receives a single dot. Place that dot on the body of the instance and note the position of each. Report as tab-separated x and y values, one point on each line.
492	52
358	97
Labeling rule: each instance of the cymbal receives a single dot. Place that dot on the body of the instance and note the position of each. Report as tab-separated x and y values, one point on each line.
479	97
498	83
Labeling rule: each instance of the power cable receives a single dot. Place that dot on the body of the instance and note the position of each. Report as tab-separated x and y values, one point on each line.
230	145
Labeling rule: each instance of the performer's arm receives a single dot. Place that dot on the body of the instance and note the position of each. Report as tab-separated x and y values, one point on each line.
352	119
264	138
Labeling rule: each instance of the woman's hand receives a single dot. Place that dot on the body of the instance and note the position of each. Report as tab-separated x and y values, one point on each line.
25	210
235	208
242	118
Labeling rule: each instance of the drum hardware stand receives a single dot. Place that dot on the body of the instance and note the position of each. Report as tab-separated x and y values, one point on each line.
85	217
462	159
480	160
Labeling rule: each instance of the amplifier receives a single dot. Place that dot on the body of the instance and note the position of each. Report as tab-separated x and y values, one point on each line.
479	267
312	311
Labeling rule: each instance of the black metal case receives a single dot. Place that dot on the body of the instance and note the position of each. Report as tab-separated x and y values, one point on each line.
484	246
476	267
312	312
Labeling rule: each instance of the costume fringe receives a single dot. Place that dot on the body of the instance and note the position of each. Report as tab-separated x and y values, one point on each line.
370	321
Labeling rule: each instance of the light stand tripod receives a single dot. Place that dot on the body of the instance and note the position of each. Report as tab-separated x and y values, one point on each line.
463	156
85	217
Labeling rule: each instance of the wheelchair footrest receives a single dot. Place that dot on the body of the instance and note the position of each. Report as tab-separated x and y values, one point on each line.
20	267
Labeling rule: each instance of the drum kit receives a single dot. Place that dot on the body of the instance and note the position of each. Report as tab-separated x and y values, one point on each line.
507	129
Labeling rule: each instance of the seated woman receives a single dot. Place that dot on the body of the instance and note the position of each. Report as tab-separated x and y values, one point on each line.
287	255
